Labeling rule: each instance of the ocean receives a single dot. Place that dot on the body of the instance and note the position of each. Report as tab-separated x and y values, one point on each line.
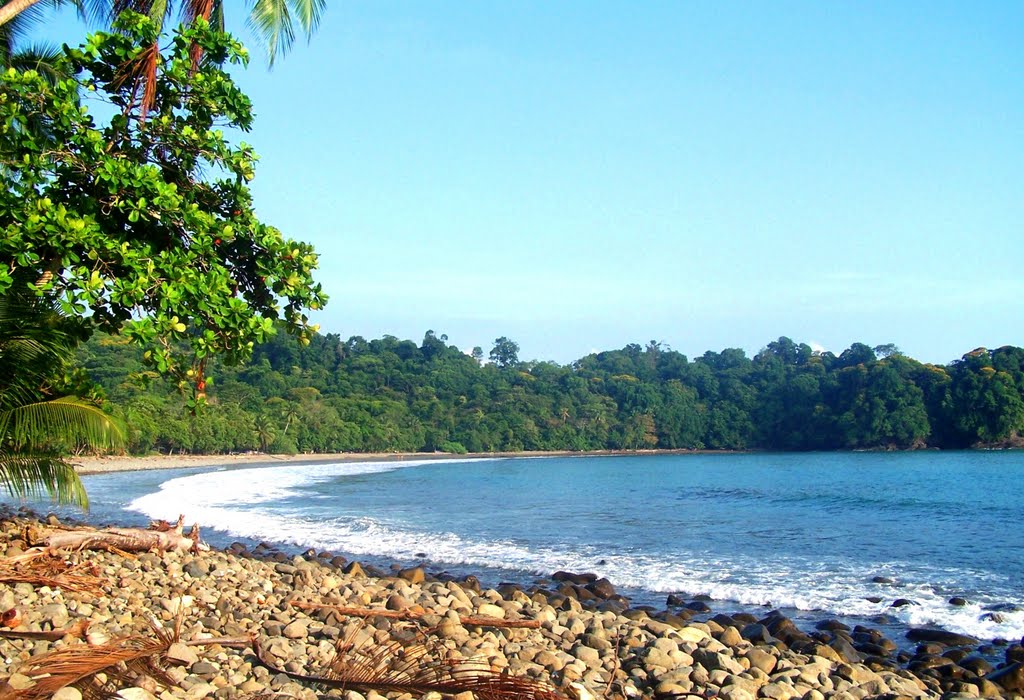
804	533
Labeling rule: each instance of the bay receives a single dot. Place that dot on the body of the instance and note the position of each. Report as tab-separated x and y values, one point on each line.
805	533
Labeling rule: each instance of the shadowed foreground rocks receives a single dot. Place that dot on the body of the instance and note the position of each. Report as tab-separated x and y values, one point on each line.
589	639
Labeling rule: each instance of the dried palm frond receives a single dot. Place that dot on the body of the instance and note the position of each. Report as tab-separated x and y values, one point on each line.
79	664
43	568
119	661
418	666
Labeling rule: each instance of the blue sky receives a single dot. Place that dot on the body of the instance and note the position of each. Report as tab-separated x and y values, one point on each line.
579	176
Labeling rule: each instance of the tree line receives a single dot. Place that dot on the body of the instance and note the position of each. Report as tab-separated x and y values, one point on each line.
387	394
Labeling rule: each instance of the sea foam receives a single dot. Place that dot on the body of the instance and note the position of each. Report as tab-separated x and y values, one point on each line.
247	503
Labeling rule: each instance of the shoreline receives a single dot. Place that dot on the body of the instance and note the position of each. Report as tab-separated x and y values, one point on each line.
123	463
589	640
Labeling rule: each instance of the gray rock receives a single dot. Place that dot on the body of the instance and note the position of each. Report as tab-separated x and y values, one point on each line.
714	661
204	668
845	650
950	639
1010	678
56	614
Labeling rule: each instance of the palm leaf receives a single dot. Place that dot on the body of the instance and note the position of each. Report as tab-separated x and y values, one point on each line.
28	476
40	58
416	666
308	13
67	420
78	665
271	20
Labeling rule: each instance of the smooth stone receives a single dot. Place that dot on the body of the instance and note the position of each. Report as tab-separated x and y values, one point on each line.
180	654
881	579
902	603
414	575
354	569
1011	677
56	614
19	682
693	634
491	610
730	636
67	693
977	665
957	601
761	659
135	694
713	661
602	588
950	639
579	579
204	668
757	633
397	602
196	568
778	691
296	630
846	650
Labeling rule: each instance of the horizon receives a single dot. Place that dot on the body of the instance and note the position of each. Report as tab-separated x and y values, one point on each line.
581	177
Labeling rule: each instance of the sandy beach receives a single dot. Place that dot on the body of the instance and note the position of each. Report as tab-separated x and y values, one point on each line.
124	463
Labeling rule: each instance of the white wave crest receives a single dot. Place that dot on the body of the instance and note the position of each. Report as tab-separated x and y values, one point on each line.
223	500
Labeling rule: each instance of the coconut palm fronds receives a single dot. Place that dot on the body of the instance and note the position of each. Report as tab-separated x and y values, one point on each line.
96	670
42	568
79	665
418	665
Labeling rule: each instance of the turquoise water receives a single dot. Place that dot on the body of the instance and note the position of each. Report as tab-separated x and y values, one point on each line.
805	533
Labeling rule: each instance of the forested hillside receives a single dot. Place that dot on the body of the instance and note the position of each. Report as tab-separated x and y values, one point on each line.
397	395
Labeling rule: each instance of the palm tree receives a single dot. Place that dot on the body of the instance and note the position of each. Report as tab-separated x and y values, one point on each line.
274	21
36	425
265	431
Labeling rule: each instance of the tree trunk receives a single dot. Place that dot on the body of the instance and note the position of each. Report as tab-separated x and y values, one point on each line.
13	8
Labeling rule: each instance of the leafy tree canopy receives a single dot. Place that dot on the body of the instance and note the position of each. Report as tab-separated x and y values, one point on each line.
144	223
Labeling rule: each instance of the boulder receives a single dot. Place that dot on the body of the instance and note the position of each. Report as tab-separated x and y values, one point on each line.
414	575
949	639
602	588
578	579
1010	677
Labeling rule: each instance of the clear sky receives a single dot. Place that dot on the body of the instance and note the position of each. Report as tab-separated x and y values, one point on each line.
582	175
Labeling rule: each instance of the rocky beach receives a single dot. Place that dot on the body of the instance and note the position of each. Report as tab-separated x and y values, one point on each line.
260	623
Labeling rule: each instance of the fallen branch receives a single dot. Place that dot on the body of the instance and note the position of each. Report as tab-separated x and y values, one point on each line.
473	621
78	630
232	642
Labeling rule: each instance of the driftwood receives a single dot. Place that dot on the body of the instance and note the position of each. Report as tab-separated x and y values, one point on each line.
160	536
415	614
